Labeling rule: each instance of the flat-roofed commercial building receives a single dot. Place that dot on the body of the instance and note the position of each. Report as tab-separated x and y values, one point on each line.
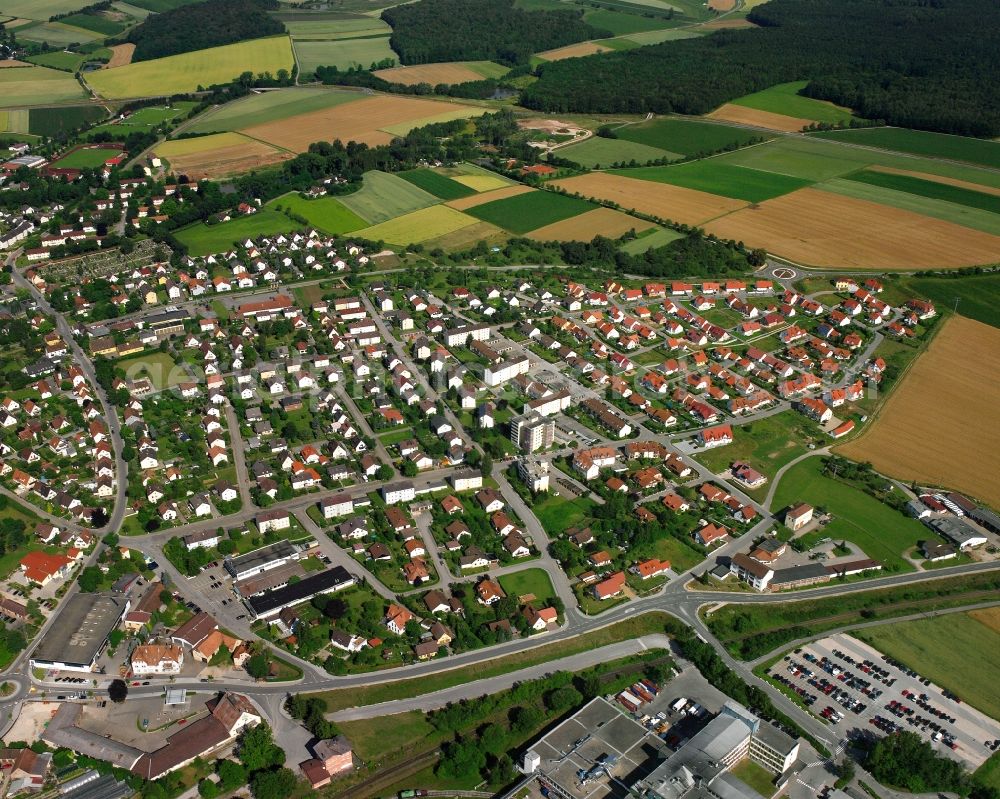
80	632
260	560
271	603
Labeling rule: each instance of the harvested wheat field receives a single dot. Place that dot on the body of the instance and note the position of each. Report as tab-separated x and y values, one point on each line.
818	228
448	72
574	51
488	196
926	431
10	62
218	155
727	24
121	54
599	222
361	122
721	5
648	197
988	617
761	119
962	184
481	183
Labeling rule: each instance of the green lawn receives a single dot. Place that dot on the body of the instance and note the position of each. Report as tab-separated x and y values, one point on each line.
920	142
685	136
989	772
202	239
757	777
680	555
526	212
556	513
529	581
91	157
954	651
325	213
383	196
657	237
437	184
598	151
785	99
159	367
717	177
883	533
395	435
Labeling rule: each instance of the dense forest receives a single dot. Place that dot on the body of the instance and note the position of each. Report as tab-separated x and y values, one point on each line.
928	64
481	30
208	24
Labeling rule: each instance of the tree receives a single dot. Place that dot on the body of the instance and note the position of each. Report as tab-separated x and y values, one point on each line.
493	739
486	466
89	579
277	784
257	750
231	774
257	666
207	789
383	473
563	698
117	691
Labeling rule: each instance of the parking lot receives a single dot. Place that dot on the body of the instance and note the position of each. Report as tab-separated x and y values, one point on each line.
855	688
213	583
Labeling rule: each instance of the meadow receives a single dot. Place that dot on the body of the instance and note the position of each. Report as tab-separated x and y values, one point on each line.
684	136
341	53
259	109
597	151
919	142
56	34
36	85
325	213
738	183
58	119
937	402
975	295
437	184
951	650
85	157
785	99
144	119
660	237
526	212
187	71
94	22
418	226
202	239
39	9
383	197
60	59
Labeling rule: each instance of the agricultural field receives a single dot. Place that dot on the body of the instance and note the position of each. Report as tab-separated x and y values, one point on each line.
59	119
437	184
741	115
599	222
40	9
684	136
656	199
882	532
331	25
218	155
121	54
202	239
325	213
660	237
259	109
187	71
919	142
785	99
490	196
383	197
951	650
373	121
56	34
159	6
975	294
418	226
573	51
738	183
101	24
450	72
86	157
597	151
36	85
60	59
146	119
654	37
951	407
526	212
988	200
340	53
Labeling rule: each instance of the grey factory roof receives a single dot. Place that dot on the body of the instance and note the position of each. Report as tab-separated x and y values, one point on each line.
81	629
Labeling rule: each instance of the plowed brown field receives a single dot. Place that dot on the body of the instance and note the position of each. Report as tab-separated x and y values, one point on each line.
238	154
429	73
819	228
600	221
121	54
657	199
574	51
761	119
937	427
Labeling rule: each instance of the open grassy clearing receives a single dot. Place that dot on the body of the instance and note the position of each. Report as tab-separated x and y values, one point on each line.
96	23
919	142
145	119
952	651
660	237
597	151
341	53
449	72
883	533
931	189
529	211
258	109
36	85
159	367
202	239
950	406
418	226
186	72
437	184
784	98
86	157
61	59
599	222
530	581
56	34
684	136
557	513
721	179
383	196
325	213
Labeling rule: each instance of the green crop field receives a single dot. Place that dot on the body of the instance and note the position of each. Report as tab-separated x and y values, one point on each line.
384	196
976	294
94	22
529	581
332	25
56	34
657	237
930	189
882	532
68	62
785	99
418	226
621	23
654	37
715	177
130	9
325	213
145	119
258	109
159	6
437	184
685	136
530	211
202	239
40	9
952	651
341	53
188	71
37	86
87	157
919	142
597	151
938	209
63	119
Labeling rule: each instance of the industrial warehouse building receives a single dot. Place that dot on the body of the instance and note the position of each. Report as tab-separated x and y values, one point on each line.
80	632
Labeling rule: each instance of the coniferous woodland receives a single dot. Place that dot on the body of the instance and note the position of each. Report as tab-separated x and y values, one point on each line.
481	30
928	64
209	24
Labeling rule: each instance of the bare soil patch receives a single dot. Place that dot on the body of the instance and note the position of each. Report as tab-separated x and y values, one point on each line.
429	73
488	196
10	63
225	161
818	228
722	5
574	51
925	431
761	119
121	54
988	617
601	221
657	199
